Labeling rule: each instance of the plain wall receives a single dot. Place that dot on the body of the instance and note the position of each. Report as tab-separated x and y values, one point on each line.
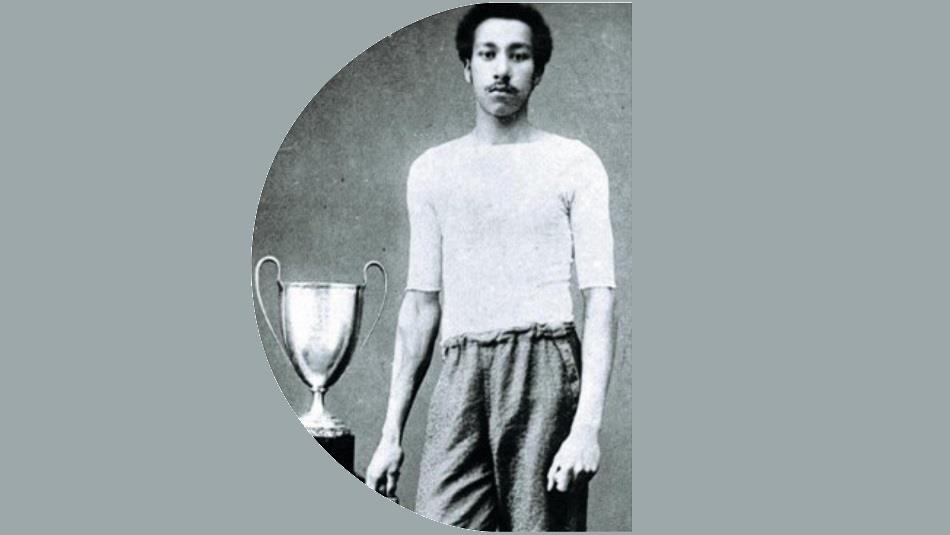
335	198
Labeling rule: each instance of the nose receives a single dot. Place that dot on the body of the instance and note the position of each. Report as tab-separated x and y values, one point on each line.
502	69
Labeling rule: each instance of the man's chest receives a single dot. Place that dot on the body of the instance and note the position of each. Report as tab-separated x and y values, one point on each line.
502	201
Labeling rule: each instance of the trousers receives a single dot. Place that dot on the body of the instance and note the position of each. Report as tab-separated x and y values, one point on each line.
503	404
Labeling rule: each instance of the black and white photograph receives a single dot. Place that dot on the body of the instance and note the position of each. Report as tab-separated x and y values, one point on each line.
657	268
442	267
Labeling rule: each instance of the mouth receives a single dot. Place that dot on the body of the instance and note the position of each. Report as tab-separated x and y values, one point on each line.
504	89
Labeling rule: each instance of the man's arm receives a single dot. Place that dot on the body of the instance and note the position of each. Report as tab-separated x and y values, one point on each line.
579	455
415	335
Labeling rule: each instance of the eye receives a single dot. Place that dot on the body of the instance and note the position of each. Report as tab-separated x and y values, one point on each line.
521	56
487	54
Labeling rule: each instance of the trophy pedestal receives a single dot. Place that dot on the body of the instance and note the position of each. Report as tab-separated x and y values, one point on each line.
329	432
340	446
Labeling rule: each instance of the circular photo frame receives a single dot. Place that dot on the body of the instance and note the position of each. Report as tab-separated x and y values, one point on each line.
417	182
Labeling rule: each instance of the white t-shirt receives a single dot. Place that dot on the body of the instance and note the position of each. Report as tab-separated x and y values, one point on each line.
497	227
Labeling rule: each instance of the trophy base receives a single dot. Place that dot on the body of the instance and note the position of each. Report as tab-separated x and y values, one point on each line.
324	424
323	431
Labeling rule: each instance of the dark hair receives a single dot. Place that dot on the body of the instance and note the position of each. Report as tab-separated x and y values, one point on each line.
541	45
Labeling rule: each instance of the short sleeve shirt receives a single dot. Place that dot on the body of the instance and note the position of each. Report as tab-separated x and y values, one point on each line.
497	229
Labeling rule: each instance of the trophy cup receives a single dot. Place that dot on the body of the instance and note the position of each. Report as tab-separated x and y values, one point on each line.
320	322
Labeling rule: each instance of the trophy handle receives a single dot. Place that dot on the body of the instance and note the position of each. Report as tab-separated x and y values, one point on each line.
260	301
379	314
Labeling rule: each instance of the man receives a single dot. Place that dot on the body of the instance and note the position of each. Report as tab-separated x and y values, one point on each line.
498	217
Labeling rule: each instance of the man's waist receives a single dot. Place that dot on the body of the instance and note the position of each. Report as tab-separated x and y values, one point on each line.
478	310
495	336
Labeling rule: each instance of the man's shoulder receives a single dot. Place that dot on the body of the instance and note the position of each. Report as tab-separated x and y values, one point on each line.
430	165
447	150
570	146
576	162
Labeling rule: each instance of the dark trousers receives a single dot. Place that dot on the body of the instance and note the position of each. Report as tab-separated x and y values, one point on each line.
504	403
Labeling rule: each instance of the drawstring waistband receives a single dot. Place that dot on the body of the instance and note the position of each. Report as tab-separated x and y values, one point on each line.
536	330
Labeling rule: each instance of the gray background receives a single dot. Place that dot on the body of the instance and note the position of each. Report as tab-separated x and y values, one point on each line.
790	292
335	198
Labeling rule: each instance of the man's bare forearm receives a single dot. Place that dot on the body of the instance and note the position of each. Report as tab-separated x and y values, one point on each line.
578	457
596	359
415	335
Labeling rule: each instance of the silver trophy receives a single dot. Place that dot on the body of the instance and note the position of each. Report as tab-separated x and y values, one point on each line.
320	322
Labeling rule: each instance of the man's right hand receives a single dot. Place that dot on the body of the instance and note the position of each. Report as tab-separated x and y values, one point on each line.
382	473
416	332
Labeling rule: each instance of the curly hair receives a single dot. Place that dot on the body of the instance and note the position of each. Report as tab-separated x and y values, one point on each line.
541	44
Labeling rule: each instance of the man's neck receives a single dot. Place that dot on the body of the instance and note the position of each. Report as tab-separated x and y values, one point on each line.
514	128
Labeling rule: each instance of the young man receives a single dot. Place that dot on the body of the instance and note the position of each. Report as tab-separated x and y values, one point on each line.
498	217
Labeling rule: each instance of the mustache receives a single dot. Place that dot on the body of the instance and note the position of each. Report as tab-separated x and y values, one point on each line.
505	88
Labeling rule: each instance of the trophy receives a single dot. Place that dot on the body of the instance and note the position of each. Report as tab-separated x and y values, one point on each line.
320	322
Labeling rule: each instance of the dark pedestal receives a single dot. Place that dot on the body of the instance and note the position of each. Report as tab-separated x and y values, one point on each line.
339	447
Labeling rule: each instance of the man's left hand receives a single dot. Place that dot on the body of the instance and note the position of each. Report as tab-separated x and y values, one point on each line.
575	462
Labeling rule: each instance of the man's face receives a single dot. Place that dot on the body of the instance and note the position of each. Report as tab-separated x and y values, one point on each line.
501	70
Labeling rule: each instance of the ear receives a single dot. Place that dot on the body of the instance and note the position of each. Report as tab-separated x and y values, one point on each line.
536	79
467	71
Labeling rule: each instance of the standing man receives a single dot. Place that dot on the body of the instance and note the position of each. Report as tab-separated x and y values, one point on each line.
498	218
